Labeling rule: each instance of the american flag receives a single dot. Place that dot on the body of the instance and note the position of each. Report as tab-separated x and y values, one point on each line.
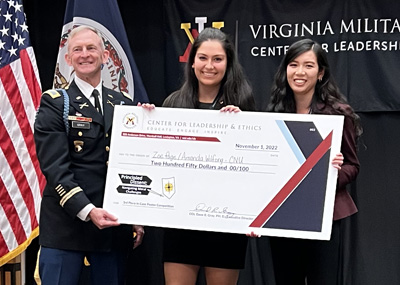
21	181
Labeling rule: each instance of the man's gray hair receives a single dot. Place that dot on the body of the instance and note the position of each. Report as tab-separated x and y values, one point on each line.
81	28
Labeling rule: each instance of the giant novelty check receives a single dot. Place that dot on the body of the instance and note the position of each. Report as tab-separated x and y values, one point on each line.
269	173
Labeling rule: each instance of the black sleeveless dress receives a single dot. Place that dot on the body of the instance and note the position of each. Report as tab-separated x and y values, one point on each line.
203	248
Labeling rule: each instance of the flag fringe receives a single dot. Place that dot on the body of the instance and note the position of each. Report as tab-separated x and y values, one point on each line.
21	248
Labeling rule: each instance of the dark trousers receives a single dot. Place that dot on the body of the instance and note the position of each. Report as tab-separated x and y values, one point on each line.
311	262
64	267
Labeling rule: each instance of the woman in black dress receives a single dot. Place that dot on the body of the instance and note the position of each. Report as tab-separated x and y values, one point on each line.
213	80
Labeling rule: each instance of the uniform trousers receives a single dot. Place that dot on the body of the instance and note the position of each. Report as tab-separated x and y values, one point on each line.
64	267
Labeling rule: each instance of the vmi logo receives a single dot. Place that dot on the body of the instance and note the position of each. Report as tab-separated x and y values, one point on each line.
192	35
130	120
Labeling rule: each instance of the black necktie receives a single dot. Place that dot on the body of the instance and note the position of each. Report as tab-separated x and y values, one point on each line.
97	105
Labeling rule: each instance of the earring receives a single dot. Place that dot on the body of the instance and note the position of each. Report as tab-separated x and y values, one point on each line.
320	79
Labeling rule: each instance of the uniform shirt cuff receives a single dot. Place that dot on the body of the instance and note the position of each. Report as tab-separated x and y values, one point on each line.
84	213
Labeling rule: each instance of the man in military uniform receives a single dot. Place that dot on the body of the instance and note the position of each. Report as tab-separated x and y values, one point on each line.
73	147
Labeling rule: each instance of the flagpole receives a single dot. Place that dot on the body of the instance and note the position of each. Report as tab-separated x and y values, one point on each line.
23	267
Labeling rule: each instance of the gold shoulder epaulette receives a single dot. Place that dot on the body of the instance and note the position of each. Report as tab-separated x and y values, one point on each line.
53	93
126	95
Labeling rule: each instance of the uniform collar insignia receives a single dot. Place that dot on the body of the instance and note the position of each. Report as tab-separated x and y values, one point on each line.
109	102
83	105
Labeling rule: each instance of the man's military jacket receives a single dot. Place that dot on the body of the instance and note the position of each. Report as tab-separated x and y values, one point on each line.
73	152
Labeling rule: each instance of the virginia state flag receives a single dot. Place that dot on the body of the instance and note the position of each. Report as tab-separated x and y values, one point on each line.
120	72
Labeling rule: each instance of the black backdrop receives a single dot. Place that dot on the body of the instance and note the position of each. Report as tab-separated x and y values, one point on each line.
371	253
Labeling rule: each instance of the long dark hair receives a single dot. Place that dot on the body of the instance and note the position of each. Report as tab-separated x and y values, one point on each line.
234	86
326	94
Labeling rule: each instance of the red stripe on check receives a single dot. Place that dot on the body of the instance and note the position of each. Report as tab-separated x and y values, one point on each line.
289	187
